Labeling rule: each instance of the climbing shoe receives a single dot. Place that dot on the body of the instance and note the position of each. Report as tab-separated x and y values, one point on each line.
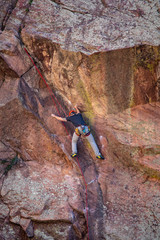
73	155
100	157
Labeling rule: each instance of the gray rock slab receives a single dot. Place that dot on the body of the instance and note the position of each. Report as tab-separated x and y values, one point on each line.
92	26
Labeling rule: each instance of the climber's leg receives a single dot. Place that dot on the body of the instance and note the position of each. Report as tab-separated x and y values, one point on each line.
74	144
94	146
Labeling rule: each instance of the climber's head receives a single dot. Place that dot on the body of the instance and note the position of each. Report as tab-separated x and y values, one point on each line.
72	112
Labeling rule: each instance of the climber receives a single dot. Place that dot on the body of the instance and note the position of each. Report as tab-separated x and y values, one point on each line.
75	117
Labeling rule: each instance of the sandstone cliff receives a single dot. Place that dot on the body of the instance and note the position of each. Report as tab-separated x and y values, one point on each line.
105	56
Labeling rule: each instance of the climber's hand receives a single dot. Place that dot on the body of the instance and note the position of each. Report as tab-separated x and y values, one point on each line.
59	118
76	107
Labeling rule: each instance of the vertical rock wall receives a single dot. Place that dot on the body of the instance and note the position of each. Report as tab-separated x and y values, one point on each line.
43	194
105	82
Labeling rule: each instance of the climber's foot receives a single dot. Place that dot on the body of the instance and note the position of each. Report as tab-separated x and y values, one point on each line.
100	157
73	155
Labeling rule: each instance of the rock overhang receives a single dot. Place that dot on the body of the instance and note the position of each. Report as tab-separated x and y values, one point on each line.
92	26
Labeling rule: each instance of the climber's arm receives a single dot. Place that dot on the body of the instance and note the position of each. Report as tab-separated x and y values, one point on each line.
76	108
59	118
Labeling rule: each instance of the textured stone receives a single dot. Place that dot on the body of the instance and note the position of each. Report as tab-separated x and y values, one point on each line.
32	78
5	94
134	136
15	20
158	71
4	210
104	82
53	199
12	53
95	26
144	90
6	7
43	192
9	231
132	202
6	152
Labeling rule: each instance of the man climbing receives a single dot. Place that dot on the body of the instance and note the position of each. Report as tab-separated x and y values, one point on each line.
75	117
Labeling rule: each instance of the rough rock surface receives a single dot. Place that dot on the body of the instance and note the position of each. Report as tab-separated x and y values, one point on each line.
7	7
134	136
42	200
93	26
42	189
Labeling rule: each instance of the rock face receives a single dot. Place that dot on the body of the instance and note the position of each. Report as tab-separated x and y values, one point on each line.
45	194
93	26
